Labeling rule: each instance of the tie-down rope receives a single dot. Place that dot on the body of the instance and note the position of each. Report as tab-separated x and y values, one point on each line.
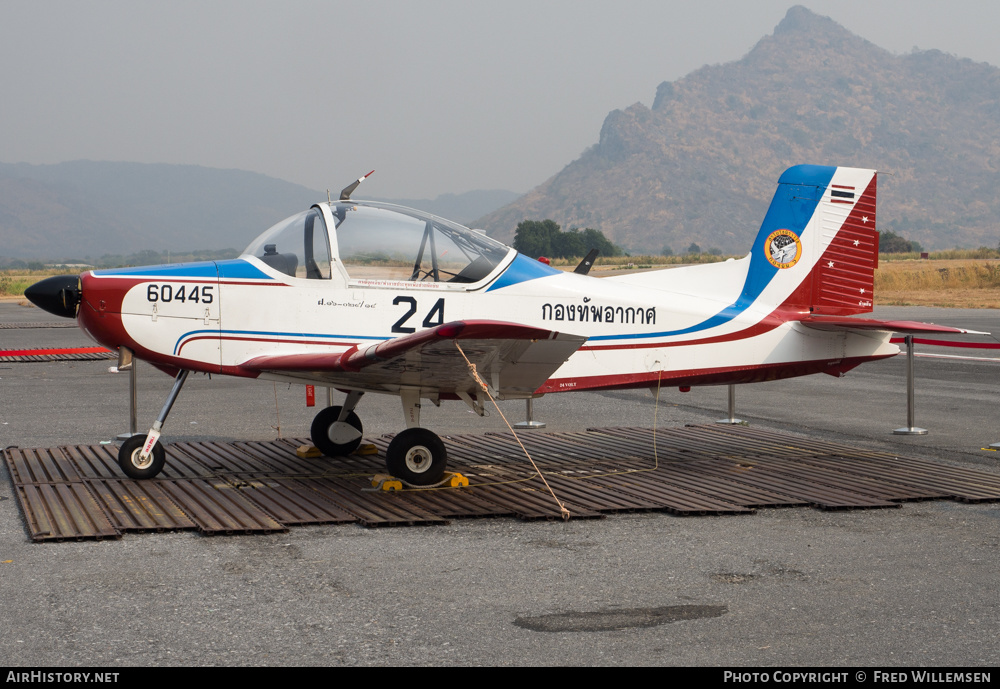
475	374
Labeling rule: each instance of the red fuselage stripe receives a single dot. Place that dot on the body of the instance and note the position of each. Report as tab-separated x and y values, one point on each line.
706	376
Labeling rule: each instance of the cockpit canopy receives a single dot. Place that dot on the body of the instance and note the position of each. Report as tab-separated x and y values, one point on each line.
377	241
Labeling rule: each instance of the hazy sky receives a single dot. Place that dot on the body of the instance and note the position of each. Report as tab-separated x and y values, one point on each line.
437	95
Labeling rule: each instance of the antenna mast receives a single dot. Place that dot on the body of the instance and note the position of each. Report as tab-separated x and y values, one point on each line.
345	195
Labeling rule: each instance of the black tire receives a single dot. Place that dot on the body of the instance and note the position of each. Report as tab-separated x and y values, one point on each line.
417	456
322	426
128	458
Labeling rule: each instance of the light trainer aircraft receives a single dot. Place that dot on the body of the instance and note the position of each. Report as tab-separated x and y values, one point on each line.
371	297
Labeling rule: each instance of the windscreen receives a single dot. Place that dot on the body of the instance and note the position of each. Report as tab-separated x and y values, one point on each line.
383	242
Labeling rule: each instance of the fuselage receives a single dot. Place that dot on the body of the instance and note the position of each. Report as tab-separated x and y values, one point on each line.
353	274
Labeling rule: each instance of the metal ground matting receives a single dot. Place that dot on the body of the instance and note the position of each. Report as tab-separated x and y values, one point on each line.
78	492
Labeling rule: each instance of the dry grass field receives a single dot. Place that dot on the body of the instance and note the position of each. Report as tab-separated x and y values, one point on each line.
957	283
14	282
962	280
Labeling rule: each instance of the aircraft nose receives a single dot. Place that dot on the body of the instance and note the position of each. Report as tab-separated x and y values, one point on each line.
59	295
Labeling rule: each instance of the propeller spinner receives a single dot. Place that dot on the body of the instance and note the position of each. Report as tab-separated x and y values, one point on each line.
59	295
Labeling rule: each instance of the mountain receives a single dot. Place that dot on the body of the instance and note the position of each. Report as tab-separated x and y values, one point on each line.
86	208
701	164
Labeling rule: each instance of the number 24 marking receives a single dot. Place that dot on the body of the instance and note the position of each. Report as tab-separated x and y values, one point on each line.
436	312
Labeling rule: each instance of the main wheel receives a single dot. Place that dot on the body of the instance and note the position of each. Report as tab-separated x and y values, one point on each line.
417	456
130	459
336	439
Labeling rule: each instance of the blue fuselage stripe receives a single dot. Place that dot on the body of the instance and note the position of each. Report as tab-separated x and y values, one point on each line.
792	207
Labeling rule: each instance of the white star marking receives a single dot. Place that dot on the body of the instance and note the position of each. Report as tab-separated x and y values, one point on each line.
830	264
862	290
857	242
864	219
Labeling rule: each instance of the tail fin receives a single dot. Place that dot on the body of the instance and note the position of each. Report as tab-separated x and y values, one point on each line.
817	249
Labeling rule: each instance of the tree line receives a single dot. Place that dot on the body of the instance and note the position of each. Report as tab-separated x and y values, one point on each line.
537	238
891	243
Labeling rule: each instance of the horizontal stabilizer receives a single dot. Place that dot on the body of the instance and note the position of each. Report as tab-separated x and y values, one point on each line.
834	323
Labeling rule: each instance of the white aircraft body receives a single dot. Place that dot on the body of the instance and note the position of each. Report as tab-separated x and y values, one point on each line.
369	297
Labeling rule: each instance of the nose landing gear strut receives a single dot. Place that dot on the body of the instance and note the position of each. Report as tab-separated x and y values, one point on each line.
143	456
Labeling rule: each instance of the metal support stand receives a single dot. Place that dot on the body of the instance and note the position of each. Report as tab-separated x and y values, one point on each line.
127	362
910	429
529	423
732	408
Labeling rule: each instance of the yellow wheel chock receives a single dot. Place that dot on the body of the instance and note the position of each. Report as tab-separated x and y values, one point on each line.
386	482
449	480
309	451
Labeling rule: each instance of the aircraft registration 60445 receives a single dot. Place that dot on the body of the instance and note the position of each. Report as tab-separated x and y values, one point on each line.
368	297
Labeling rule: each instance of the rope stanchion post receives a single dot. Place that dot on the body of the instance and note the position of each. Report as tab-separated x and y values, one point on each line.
126	362
732	408
910	429
529	422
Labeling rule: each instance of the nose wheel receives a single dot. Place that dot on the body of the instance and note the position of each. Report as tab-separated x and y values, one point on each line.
417	456
131	461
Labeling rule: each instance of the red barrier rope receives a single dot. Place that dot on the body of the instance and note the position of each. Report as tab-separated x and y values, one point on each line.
946	343
44	352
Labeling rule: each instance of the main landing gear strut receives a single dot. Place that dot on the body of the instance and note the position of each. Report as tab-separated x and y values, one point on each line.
415	455
142	456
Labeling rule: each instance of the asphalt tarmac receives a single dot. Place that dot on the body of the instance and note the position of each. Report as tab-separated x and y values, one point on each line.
783	587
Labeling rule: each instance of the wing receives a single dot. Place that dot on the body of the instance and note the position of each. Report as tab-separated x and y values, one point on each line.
513	359
835	323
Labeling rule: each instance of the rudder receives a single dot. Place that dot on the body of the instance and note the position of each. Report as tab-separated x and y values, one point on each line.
817	248
844	277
